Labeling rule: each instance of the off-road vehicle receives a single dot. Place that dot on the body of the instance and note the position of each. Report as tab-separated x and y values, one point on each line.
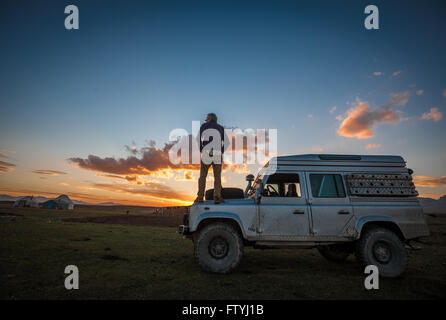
340	204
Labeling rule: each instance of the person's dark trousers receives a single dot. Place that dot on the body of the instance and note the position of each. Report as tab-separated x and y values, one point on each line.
204	168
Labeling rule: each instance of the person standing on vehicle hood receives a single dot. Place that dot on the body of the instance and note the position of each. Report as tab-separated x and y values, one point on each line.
211	141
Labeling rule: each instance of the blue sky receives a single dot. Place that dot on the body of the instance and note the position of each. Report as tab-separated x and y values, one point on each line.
135	70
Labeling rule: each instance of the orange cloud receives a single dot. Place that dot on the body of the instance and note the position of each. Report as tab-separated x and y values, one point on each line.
434	114
373	146
361	119
3	155
426	181
431	195
188	175
150	189
396	73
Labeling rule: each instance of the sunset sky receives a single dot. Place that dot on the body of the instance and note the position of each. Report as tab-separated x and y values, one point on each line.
88	112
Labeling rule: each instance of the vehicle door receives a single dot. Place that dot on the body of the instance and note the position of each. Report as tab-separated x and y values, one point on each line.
281	212
329	204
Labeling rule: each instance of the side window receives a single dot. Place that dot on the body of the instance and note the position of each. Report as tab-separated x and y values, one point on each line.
271	190
327	186
282	185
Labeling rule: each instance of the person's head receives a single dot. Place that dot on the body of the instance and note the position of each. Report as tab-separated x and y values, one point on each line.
211	117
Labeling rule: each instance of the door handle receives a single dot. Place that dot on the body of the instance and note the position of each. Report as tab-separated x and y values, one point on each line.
343	212
298	211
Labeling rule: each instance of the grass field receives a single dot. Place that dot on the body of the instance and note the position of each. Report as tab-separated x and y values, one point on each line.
152	262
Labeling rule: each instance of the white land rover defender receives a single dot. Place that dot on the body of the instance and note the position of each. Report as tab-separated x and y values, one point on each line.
340	204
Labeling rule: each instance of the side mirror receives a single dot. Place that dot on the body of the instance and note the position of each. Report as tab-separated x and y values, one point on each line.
250	179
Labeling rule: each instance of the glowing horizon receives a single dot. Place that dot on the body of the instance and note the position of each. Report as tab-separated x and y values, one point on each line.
88	112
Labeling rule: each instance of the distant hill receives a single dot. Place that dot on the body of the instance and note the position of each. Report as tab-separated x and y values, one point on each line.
429	205
108	204
6	197
433	206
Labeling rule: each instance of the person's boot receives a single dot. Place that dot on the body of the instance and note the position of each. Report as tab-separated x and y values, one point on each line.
198	200
219	200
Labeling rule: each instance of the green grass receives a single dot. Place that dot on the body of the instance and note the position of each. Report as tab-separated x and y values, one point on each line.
156	263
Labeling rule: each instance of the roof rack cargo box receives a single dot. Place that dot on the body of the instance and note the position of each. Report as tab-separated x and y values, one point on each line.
339	160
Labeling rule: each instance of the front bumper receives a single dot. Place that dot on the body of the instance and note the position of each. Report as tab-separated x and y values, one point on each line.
182	229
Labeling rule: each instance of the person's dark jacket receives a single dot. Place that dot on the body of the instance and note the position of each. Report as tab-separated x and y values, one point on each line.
212	125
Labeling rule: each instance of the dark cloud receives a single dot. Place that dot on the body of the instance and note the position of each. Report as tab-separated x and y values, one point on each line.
145	161
6	166
49	172
114	176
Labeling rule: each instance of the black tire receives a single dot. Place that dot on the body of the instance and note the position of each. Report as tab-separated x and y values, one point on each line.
336	252
218	248
226	193
384	249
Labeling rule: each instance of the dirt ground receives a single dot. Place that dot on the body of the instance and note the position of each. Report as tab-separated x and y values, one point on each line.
156	221
140	255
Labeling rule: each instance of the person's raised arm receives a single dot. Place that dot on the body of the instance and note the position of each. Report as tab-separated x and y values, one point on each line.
226	141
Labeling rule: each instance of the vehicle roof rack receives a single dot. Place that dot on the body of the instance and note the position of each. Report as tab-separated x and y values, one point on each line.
339	157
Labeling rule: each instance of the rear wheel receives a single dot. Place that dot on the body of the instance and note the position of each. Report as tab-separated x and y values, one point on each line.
384	249
218	248
336	252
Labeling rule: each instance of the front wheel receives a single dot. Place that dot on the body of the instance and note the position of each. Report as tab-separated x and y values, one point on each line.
384	249
218	248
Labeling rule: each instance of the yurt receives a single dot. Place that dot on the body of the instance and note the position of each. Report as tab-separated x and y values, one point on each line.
62	202
26	202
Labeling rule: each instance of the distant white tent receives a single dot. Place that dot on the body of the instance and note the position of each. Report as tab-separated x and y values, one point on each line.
26	202
61	202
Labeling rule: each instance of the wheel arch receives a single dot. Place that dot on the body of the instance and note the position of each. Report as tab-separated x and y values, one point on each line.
367	222
213	217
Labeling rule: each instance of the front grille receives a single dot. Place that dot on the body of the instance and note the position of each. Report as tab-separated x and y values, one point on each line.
186	219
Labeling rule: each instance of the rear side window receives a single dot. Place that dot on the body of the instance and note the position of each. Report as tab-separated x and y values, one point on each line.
327	186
